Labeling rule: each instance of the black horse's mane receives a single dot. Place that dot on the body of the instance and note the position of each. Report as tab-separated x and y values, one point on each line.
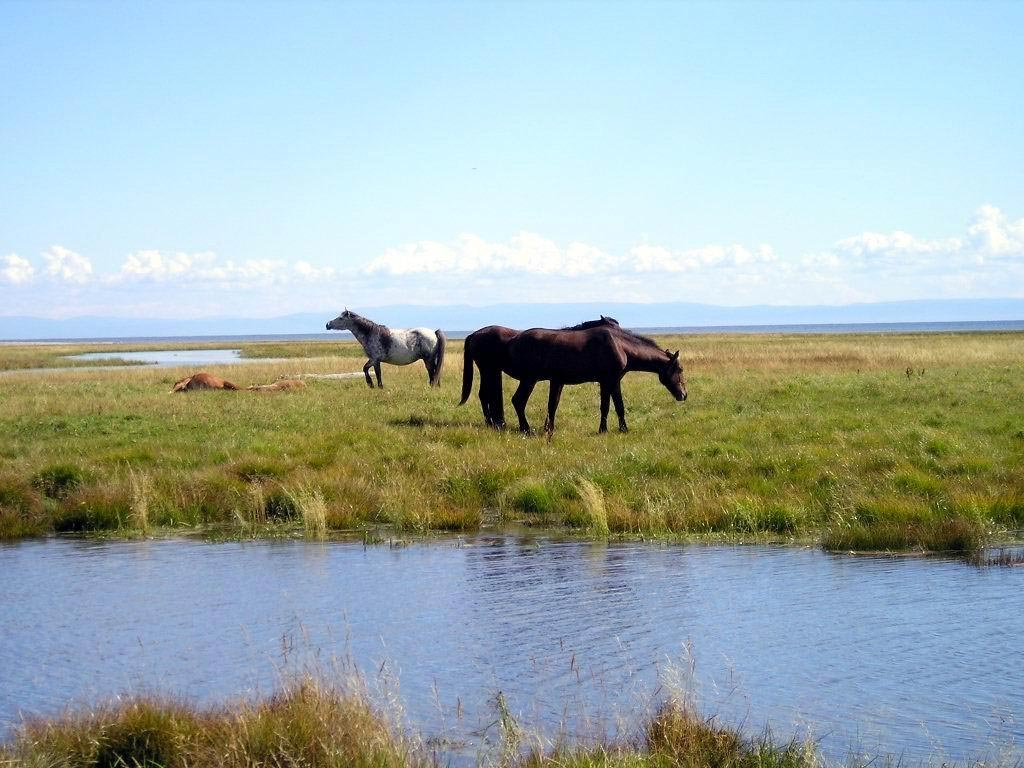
602	321
646	340
611	322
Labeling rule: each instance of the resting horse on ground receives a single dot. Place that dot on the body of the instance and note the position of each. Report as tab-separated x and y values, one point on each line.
600	354
487	347
397	346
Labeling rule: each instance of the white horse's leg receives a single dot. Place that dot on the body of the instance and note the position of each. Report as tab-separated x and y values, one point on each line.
366	373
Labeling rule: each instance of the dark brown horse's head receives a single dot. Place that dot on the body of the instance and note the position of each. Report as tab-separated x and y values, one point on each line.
671	376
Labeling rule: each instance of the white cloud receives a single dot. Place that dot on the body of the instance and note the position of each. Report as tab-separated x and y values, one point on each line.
16	270
531	254
307	271
203	267
154	265
985	259
67	266
992	236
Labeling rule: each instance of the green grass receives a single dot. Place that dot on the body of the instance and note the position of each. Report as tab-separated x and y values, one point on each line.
784	438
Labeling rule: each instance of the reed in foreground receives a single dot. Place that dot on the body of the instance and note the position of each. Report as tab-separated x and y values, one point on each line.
306	724
312	724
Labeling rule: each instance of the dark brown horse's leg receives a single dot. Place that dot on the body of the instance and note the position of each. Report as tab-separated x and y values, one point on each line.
486	398
490	398
376	369
519	401
498	401
554	395
620	408
366	373
606	397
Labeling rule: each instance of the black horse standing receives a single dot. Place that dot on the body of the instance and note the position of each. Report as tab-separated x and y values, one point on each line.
488	348
598	351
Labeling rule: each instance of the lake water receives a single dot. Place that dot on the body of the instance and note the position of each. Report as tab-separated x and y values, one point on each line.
914	656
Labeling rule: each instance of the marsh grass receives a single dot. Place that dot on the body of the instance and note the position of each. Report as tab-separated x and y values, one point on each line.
140	489
595	515
313	722
313	509
784	438
308	723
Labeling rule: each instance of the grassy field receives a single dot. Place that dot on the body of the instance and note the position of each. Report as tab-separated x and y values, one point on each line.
869	442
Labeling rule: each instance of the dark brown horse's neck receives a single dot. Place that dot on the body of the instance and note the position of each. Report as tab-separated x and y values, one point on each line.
643	357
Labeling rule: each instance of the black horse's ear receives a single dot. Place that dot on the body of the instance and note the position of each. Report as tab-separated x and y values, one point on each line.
674	355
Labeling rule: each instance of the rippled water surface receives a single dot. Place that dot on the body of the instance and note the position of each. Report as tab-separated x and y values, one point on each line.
915	656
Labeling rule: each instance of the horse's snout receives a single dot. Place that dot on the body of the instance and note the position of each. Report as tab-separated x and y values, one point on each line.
328	326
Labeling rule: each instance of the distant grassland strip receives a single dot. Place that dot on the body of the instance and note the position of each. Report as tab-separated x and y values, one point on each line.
865	442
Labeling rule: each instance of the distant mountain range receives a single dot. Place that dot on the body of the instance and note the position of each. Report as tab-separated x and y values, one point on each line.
455	319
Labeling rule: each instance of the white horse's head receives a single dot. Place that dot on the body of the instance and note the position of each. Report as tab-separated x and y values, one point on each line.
342	322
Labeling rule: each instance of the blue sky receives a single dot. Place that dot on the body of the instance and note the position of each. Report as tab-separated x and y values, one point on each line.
257	159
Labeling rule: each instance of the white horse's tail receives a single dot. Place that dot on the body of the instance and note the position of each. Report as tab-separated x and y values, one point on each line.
437	359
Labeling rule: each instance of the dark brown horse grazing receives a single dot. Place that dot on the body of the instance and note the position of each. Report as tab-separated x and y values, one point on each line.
599	354
487	347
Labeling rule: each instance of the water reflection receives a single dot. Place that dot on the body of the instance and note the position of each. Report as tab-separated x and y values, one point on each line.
896	655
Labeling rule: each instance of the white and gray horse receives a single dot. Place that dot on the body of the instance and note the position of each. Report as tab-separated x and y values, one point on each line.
398	346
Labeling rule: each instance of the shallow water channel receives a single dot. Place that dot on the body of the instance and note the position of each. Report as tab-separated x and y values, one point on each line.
172	357
914	656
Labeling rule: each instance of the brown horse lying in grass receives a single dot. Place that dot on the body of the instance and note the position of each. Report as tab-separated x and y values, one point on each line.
202	380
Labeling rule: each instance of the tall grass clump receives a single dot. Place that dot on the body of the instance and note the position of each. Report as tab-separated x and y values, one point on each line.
308	723
313	509
21	510
59	480
93	510
958	535
594	512
677	737
141	489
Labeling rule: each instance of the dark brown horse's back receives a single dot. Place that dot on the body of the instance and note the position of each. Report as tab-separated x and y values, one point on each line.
569	356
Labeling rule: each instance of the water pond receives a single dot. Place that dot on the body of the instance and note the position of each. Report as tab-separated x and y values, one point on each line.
171	357
919	657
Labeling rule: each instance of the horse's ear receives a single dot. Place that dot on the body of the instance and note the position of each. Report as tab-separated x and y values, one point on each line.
674	355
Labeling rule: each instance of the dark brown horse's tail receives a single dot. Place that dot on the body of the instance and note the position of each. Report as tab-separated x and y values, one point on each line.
467	369
437	359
